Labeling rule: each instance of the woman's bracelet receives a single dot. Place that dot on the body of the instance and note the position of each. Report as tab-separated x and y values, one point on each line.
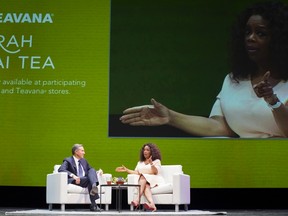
273	102
275	106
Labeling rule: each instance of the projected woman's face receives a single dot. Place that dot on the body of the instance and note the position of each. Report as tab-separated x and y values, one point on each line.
257	39
79	153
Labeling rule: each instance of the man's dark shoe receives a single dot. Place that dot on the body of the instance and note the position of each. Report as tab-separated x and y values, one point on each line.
95	208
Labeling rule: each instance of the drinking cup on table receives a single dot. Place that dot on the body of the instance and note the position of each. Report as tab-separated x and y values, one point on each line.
109	180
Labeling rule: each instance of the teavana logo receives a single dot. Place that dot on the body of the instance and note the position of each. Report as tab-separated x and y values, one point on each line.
25	18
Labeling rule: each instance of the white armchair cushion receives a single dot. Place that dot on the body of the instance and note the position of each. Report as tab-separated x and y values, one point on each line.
56	167
72	188
168	171
163	189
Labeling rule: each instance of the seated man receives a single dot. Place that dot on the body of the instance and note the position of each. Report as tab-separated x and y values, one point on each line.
81	173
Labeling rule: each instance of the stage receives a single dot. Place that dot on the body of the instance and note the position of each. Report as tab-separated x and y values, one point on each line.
233	212
111	212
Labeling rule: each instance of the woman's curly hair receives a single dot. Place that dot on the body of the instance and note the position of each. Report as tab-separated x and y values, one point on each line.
276	14
155	152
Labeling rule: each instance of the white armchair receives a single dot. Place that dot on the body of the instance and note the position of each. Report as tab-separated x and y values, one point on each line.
59	192
176	190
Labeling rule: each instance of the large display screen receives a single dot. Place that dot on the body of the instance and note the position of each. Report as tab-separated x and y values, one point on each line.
69	69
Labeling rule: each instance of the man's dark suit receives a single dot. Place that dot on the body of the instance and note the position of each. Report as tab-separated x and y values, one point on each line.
88	180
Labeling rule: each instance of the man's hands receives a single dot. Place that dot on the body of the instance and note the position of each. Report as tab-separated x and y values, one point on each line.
76	178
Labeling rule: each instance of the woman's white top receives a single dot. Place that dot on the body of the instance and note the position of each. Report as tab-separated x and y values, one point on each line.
246	114
146	171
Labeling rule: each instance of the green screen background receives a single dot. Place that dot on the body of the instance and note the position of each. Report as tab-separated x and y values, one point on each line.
38	131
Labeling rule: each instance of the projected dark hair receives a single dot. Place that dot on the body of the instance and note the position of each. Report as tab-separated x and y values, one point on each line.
276	14
155	152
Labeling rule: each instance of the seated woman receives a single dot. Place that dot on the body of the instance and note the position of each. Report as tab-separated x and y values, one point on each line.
149	170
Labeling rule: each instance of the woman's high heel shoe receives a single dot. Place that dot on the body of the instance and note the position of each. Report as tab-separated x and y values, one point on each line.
135	204
149	207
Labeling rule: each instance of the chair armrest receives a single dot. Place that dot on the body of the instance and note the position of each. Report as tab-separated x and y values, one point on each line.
106	190
131	191
181	188
102	178
56	187
132	178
